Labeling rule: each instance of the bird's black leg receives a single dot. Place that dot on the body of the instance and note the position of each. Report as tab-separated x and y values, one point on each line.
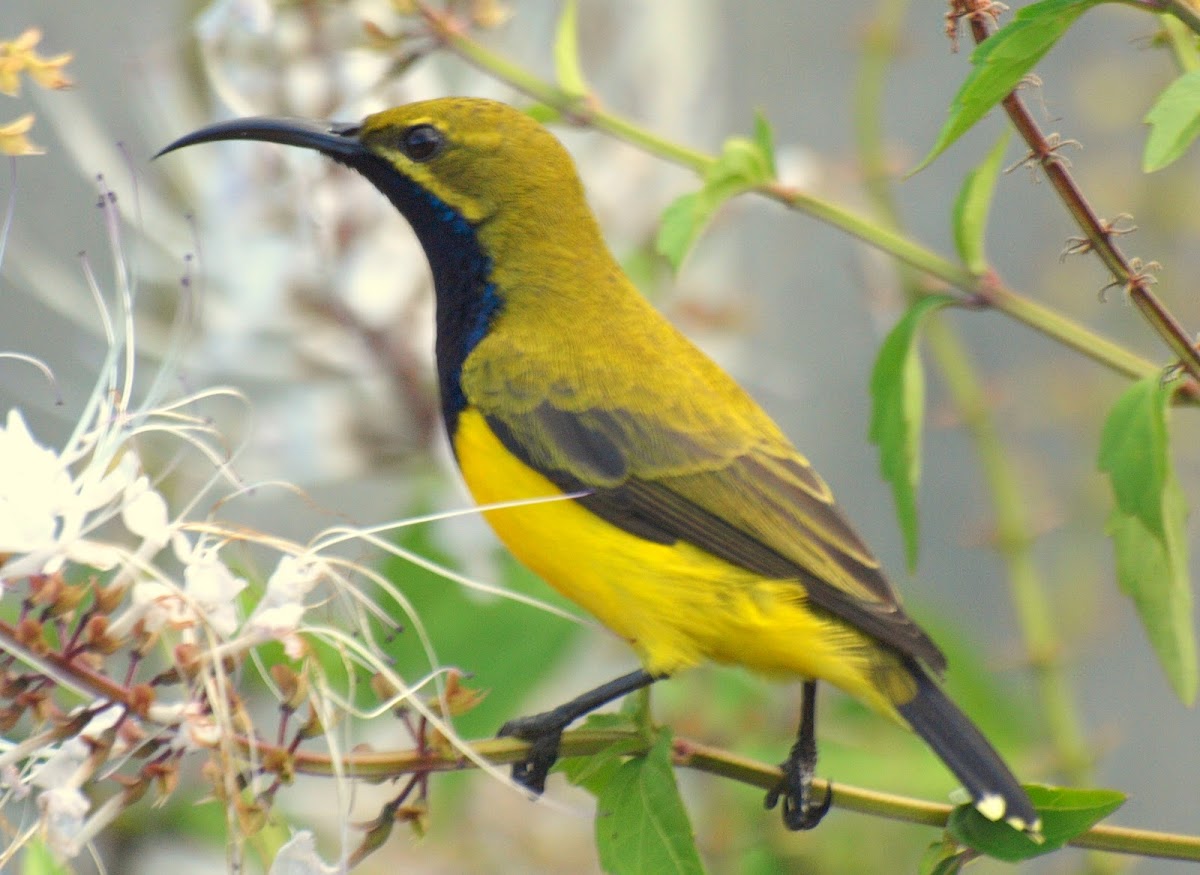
800	811
544	731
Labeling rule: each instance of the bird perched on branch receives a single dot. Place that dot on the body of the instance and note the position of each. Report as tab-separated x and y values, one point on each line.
696	531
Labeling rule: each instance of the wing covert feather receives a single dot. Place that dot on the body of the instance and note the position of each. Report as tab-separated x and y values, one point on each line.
745	495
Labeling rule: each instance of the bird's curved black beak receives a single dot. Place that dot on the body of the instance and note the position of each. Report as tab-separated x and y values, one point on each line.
338	141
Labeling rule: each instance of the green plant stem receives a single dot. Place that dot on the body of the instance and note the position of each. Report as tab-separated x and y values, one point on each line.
388	765
880	42
1182	42
982	291
1185	12
579	110
1180	10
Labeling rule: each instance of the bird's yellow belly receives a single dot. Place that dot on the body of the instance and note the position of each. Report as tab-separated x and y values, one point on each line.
676	604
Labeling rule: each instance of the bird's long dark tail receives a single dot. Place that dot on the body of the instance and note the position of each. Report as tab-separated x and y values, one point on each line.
969	755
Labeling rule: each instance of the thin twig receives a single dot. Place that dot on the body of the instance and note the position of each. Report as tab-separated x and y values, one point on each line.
1128	273
380	765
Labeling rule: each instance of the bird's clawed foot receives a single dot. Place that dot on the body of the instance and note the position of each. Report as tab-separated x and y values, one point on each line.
800	810
544	731
544	734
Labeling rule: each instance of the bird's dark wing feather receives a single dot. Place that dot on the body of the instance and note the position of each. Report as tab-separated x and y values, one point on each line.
759	506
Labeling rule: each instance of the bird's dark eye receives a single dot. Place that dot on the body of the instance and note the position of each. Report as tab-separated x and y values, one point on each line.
422	142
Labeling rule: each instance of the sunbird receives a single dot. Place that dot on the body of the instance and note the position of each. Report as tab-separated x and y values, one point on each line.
686	523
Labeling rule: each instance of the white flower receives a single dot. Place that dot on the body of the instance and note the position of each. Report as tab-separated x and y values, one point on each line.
35	489
144	513
61	768
201	730
275	622
97	485
213	589
11	782
47	509
299	857
161	604
63	813
208	597
282	607
292	579
158	604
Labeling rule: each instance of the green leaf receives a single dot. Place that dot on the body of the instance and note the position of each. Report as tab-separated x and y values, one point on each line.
764	140
945	857
1152	571
1133	450
681	223
1066	813
1002	60
593	773
544	113
37	859
1174	122
743	164
641	825
1148	527
897	414
566	52
971	208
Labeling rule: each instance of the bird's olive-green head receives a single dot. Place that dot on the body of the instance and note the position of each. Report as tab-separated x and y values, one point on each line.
493	197
480	157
